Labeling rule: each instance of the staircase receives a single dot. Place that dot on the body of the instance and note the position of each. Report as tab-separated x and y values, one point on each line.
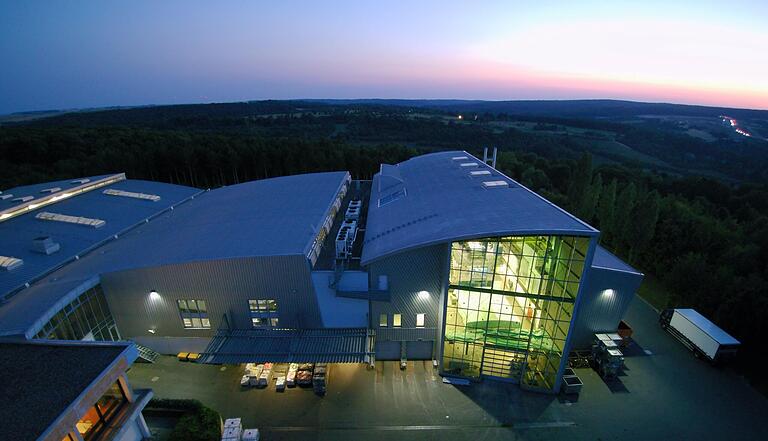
146	355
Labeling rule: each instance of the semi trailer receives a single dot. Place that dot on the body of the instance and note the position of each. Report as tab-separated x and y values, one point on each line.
700	335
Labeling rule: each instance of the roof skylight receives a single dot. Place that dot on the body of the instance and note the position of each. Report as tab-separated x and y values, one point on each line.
10	263
131	194
495	184
469	164
480	173
56	217
23	199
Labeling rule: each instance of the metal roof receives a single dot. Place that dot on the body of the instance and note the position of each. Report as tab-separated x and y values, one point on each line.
277	216
434	199
707	326
604	259
329	345
18	233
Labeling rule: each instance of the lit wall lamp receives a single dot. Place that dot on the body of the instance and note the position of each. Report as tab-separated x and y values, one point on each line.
608	293
153	295
151	331
423	295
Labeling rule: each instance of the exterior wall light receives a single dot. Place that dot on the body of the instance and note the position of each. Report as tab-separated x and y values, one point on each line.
423	295
153	295
608	293
151	331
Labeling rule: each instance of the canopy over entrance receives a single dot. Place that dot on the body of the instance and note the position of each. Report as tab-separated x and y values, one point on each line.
330	345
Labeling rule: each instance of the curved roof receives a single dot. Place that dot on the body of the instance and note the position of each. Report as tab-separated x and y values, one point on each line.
118	213
278	216
441	197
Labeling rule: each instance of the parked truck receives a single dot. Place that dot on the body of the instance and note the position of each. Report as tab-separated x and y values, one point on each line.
700	335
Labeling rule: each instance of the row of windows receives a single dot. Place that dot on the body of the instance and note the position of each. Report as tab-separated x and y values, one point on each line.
397	320
194	313
87	315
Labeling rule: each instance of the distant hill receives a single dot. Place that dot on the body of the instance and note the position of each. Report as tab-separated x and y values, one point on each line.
563	108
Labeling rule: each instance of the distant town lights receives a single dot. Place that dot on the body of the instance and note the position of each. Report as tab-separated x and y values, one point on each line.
423	295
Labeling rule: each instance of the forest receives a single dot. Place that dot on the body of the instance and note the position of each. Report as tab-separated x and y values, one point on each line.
698	232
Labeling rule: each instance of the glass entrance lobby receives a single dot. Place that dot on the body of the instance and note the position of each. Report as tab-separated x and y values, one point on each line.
509	307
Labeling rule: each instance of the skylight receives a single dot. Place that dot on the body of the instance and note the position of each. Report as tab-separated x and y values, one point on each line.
5	196
50	190
23	199
495	184
469	164
480	173
391	197
56	217
80	181
460	158
131	194
10	263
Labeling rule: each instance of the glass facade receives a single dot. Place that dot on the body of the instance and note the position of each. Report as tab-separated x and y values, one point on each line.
98	415
509	306
87	316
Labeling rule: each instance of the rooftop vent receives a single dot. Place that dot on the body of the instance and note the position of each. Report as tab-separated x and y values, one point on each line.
480	173
95	223
4	197
23	199
10	263
80	181
469	164
131	194
495	184
50	190
460	158
45	245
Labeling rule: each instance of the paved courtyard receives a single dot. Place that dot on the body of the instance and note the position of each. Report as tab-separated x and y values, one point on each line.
667	395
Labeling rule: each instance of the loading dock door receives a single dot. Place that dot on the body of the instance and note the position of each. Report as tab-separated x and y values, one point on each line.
387	350
419	350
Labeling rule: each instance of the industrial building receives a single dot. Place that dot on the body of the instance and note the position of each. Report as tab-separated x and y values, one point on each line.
440	257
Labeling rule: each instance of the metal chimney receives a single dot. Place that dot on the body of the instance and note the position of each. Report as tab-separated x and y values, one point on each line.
495	150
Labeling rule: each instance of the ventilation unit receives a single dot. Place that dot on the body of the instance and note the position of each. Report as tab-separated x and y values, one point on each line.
44	245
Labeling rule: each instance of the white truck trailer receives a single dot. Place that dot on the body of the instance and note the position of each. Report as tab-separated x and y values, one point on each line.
699	334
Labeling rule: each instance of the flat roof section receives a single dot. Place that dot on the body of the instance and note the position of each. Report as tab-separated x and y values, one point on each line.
39	381
445	201
606	260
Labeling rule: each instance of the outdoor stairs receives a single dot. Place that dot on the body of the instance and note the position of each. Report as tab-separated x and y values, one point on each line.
146	355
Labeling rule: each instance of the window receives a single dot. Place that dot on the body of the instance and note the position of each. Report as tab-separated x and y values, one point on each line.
194	314
98	416
419	320
397	320
263	312
382	320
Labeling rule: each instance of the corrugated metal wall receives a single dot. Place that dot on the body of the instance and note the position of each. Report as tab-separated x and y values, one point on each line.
601	310
225	285
422	269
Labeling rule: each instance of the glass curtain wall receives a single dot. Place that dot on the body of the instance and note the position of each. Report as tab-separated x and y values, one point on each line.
509	306
87	316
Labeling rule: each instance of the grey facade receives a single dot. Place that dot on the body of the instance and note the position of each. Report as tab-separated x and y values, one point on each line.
271	241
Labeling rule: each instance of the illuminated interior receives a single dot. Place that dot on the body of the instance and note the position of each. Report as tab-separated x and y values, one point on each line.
98	415
509	306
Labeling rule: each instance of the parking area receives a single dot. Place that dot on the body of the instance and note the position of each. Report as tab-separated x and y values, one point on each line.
664	393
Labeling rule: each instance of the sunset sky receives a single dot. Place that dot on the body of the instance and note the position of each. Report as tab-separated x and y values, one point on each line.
68	54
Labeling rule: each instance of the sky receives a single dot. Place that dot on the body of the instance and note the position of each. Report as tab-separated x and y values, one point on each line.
79	54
